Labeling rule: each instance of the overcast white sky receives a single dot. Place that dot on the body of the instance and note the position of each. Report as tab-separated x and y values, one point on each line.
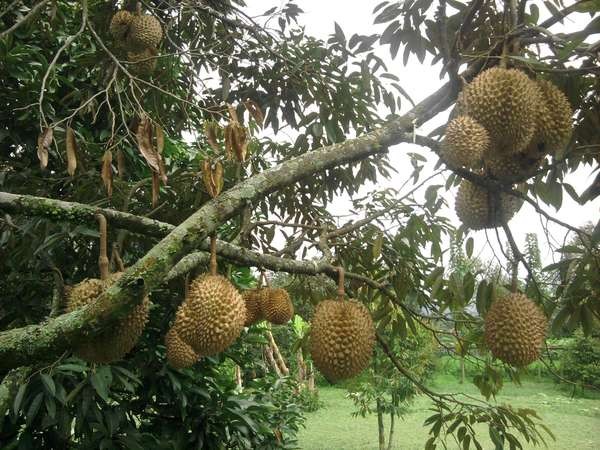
420	80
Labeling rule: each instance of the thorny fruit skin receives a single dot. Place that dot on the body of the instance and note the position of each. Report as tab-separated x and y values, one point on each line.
115	342
477	208
342	338
212	316
515	329
276	306
507	103
465	142
179	354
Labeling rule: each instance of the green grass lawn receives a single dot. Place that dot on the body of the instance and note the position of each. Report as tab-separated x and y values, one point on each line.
575	422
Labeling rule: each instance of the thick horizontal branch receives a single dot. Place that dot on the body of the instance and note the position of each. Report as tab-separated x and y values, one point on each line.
62	211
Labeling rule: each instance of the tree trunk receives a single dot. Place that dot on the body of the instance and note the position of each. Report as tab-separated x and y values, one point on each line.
238	377
310	384
301	375
280	361
380	426
391	435
268	350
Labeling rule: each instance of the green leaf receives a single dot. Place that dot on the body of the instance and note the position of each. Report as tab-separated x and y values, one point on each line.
34	407
469	247
48	383
19	398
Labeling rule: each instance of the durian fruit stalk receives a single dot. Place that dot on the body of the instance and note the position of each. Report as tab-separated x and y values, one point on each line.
342	336
213	313
515	329
511	168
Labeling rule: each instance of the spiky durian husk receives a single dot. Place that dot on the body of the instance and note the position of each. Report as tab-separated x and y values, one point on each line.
252	299
554	124
276	305
341	338
146	32
478	208
144	62
120	25
115	342
465	142
179	354
515	329
506	103
512	168
212	315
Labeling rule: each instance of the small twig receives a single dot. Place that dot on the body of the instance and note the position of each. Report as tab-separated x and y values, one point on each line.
23	19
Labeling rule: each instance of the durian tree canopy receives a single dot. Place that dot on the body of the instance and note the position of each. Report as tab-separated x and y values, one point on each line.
184	120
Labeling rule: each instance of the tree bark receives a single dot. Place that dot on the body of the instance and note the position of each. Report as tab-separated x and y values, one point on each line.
278	357
380	425
391	434
268	350
301	374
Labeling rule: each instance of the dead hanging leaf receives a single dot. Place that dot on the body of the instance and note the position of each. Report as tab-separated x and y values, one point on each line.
121	163
153	158
71	152
240	142
255	111
43	145
155	189
229	140
211	131
144	139
106	173
160	139
212	176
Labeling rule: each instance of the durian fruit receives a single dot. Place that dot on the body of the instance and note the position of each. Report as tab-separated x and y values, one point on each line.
146	32
252	299
143	62
179	354
115	342
465	142
342	337
511	168
506	103
276	305
515	329
477	208
554	124
120	25
212	315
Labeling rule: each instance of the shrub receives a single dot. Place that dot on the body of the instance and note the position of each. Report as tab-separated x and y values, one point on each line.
581	360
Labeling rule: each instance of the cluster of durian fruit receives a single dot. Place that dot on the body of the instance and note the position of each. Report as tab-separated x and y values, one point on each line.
214	313
507	124
515	329
139	35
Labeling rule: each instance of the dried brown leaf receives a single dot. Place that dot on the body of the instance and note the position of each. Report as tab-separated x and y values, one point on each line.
43	145
155	189
211	132
121	163
255	111
212	176
240	141
106	173
71	152
144	139
229	140
160	139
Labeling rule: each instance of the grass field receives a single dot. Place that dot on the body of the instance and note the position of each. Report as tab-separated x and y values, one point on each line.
575	422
